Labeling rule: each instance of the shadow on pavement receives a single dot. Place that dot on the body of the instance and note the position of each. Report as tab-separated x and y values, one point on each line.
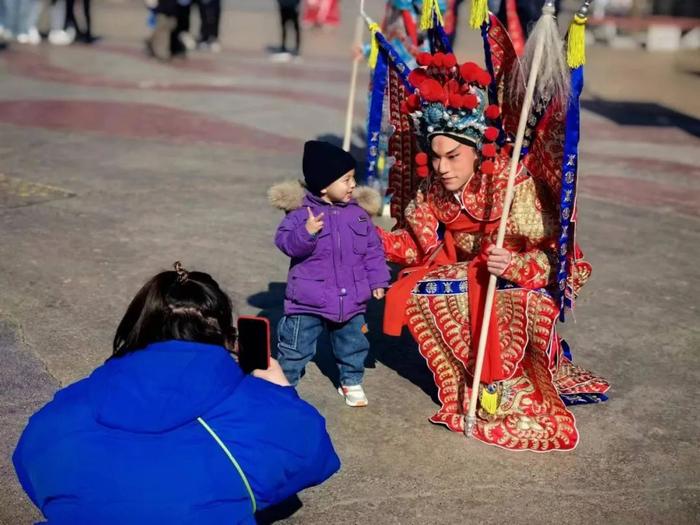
398	353
279	512
642	114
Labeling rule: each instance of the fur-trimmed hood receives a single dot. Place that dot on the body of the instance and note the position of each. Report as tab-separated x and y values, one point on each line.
289	195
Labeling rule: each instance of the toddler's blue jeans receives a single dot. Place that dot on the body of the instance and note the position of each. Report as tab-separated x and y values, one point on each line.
296	345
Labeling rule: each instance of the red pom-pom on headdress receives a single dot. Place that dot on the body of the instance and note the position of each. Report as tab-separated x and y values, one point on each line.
470	71
432	91
422	171
424	59
452	86
487	167
491	134
483	78
439	59
421	159
492	112
488	150
410	104
449	61
470	101
417	77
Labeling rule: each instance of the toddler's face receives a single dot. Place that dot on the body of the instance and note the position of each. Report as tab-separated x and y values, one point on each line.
341	189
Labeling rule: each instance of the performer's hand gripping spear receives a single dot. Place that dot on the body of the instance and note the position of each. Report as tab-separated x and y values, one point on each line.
544	47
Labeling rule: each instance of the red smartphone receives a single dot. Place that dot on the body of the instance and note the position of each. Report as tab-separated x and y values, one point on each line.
253	343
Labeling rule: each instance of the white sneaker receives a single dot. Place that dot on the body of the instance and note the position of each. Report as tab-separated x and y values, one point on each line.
34	36
187	40
354	395
23	38
282	56
59	37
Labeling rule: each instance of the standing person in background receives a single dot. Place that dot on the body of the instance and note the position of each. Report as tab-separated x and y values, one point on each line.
171	18
210	18
322	13
289	14
25	24
522	12
17	19
8	18
58	36
180	39
71	25
3	21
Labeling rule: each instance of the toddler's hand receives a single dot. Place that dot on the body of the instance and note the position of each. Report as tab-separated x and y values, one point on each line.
378	293
314	224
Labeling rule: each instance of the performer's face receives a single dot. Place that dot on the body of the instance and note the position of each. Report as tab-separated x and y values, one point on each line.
453	162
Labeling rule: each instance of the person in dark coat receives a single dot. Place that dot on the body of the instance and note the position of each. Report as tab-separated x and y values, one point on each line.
169	429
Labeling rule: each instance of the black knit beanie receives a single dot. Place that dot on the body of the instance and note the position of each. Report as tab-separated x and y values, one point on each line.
323	164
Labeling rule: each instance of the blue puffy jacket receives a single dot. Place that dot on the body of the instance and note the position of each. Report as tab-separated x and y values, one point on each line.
130	443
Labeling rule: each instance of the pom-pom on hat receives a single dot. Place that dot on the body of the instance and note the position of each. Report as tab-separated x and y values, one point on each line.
324	164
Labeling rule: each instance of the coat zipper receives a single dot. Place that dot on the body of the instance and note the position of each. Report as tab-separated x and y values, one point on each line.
340	258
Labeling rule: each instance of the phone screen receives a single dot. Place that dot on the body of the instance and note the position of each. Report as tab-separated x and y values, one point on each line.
253	343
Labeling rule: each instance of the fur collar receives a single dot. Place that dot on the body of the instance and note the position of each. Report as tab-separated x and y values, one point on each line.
289	195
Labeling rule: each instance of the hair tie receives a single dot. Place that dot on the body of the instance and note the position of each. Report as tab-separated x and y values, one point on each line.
182	274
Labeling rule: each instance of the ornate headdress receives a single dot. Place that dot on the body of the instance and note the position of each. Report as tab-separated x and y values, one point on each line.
451	100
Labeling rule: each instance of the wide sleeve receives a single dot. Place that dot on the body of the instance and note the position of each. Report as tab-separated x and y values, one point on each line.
293	238
399	247
531	237
375	264
410	247
530	269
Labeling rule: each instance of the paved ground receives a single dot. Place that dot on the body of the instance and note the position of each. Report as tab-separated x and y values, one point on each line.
114	166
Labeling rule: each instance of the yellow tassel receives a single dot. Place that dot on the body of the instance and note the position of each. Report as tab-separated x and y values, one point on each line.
576	42
374	45
489	400
479	14
426	16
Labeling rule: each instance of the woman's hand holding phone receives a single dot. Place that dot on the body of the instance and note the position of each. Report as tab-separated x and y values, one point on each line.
273	374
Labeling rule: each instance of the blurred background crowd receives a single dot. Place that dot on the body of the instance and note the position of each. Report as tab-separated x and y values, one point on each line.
656	24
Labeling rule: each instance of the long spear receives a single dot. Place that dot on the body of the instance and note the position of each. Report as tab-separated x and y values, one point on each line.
545	30
353	82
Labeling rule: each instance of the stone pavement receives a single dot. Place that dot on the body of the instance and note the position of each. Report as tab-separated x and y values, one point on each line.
113	166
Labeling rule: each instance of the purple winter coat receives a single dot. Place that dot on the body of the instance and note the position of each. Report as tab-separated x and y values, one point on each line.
333	273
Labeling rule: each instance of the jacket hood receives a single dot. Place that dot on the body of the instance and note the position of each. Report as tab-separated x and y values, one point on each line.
163	386
289	196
